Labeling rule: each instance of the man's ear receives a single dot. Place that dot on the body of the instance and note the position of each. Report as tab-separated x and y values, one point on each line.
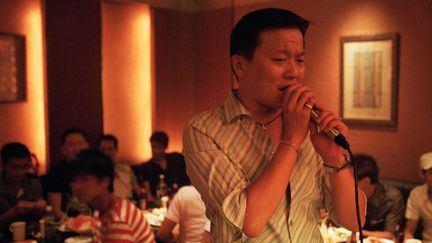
238	65
365	181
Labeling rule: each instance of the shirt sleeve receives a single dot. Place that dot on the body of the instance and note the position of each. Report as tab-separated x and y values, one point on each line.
142	231
175	208
412	209
220	181
396	213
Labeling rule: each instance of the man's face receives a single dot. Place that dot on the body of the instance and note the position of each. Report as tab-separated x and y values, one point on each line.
88	188
277	61
427	174
107	147
74	144
16	169
158	150
366	186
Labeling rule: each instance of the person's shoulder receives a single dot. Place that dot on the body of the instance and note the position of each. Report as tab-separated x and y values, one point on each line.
420	189
418	192
175	156
391	190
122	167
148	164
209	116
393	195
187	190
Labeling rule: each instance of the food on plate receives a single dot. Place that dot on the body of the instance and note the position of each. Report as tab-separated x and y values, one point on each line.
156	216
82	223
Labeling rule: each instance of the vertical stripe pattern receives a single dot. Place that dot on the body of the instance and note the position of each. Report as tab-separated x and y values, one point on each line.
225	151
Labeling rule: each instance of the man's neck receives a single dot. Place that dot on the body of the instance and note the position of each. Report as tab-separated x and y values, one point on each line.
259	113
162	162
11	187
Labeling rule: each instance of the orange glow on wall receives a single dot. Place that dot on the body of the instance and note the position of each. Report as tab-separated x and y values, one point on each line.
35	77
25	121
127	78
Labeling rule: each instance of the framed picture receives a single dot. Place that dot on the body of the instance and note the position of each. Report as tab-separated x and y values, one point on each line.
12	68
369	79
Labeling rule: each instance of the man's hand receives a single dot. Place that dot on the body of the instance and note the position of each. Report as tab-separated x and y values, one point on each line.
296	116
324	145
24	207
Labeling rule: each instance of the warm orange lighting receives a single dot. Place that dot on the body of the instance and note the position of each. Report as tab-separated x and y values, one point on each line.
127	78
35	112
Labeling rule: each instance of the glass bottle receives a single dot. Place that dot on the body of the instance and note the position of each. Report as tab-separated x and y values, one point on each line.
49	223
142	199
161	190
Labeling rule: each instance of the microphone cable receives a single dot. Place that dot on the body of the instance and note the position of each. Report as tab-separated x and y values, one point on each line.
341	141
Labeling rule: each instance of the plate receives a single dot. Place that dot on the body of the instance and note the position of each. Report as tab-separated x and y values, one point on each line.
376	240
155	216
413	241
78	239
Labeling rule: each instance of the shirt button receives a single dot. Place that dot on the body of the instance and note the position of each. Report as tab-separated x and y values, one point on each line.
291	223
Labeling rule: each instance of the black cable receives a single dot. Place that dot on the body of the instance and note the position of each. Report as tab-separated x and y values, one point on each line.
356	194
341	141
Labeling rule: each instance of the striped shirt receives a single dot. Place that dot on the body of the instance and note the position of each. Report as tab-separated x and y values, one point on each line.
127	224
225	151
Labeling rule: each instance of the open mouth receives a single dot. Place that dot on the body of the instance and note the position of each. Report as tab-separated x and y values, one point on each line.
283	88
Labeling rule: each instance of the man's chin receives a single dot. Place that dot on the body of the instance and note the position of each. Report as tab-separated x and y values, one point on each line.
82	199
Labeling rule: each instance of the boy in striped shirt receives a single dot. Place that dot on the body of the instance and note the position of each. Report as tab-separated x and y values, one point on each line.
92	183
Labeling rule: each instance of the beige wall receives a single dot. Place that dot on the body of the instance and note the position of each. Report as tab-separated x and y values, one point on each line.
396	149
127	78
24	121
192	73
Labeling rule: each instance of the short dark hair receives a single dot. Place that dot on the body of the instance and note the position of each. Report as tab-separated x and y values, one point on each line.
93	162
160	137
14	150
245	34
108	137
366	167
72	130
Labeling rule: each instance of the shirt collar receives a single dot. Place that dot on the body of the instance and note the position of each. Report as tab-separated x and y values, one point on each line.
233	108
378	194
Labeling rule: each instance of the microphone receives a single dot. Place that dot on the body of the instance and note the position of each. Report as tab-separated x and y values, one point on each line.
334	133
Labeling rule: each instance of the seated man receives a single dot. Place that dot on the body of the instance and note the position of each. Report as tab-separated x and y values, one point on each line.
73	141
92	183
385	208
419	205
20	194
171	165
188	210
125	183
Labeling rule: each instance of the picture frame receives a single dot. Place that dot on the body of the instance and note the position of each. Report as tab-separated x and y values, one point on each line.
369	79
12	68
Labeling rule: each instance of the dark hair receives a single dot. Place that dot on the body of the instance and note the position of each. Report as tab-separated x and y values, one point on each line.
93	162
72	130
366	167
244	36
108	137
14	150
160	137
